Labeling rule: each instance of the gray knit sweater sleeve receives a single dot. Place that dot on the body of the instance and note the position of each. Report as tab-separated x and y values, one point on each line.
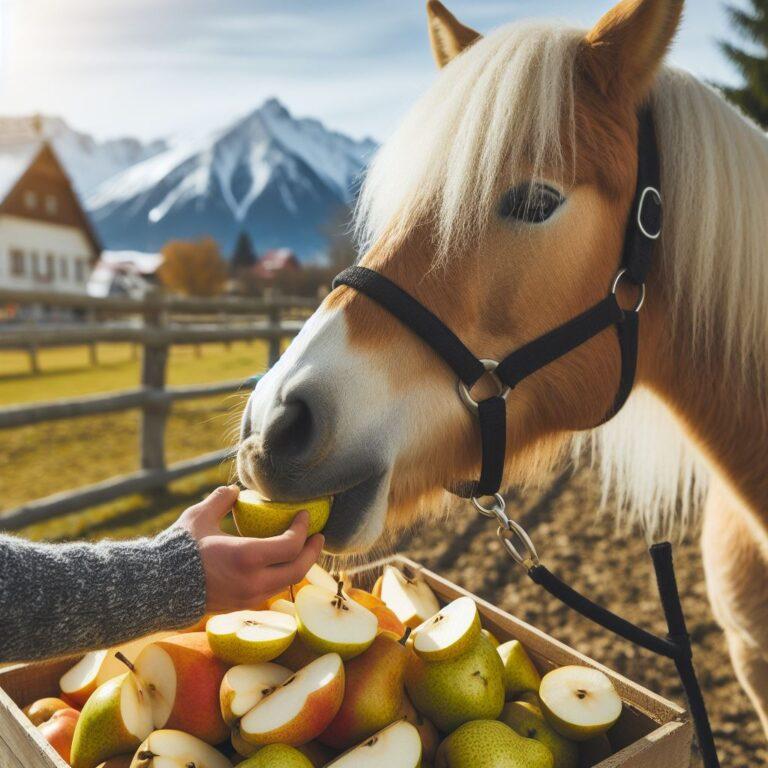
62	598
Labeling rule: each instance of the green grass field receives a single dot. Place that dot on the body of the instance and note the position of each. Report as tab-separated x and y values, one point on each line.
61	455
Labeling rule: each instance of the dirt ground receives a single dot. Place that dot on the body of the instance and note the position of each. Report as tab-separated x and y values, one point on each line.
612	568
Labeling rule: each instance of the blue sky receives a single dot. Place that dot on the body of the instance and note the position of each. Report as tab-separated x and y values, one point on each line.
162	67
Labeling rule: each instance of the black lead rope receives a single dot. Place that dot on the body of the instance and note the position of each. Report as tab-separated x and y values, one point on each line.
643	229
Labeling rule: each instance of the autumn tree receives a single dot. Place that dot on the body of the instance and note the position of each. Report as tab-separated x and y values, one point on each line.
193	268
752	95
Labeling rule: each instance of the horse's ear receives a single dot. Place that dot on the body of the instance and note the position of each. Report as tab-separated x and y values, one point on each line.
626	47
448	36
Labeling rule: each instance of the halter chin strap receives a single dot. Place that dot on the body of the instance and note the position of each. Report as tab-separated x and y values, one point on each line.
643	229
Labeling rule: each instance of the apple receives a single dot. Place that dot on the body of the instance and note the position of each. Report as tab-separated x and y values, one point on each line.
249	637
330	622
59	730
300	708
260	518
245	685
176	749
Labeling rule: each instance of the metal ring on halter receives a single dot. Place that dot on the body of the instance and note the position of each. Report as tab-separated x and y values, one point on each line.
514	530
468	400
648	191
615	286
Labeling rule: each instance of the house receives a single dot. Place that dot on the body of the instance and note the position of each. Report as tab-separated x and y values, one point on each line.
124	273
46	239
277	261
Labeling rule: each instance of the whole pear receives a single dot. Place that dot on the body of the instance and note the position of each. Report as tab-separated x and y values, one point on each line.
274	755
527	720
491	744
451	692
373	694
519	672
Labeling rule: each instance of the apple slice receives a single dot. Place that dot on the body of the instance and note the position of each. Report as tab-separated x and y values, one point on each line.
299	709
408	595
176	749
333	623
398	745
250	637
78	683
579	702
450	632
245	685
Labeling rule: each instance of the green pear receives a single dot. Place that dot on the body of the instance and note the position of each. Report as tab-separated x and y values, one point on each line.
594	751
491	744
261	519
491	637
451	692
373	693
519	672
527	720
116	718
274	755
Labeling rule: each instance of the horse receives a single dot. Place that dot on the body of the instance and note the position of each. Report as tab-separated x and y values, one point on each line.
500	203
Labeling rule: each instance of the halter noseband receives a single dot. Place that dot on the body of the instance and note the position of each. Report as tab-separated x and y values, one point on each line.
643	229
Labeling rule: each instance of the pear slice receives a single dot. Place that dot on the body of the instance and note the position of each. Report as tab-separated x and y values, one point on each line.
260	518
334	623
398	745
78	683
520	674
408	595
250	637
579	702
176	749
281	605
320	578
245	685
450	632
299	709
114	721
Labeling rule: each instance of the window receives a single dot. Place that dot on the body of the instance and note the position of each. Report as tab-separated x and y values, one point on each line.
36	273
51	204
79	271
50	268
64	268
30	199
18	262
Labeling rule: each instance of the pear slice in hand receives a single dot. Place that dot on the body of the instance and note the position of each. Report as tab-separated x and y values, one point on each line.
397	746
334	623
579	702
300	708
245	685
408	595
450	632
176	749
250	637
261	518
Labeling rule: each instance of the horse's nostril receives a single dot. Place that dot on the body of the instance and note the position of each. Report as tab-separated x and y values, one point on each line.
291	432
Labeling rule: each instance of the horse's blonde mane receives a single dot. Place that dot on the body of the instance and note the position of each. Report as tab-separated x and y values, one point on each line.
507	103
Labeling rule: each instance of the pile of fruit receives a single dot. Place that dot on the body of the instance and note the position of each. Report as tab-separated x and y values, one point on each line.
330	675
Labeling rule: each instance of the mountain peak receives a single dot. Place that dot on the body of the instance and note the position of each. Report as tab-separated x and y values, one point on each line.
274	107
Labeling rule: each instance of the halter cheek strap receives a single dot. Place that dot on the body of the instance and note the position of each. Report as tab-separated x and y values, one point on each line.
643	229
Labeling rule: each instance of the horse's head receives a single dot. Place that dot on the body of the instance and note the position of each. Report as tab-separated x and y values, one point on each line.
500	204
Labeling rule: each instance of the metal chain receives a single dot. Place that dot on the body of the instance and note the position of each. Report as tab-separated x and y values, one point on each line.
511	534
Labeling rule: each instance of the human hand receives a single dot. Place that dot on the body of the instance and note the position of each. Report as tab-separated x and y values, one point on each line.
241	572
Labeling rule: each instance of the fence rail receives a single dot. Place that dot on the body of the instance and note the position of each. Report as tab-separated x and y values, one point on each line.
155	329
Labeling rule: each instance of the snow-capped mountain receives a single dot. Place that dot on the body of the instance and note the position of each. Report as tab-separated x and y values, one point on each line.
88	162
277	177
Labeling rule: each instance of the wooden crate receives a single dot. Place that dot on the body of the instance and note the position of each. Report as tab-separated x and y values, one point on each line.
651	733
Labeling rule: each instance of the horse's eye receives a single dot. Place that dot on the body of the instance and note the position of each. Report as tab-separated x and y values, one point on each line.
530	202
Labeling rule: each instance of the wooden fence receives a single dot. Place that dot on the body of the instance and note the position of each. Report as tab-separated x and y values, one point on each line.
155	324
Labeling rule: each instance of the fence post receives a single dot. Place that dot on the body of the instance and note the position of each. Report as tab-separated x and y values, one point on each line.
274	340
153	374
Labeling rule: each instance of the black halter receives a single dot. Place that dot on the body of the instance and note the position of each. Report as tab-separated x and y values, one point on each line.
643	229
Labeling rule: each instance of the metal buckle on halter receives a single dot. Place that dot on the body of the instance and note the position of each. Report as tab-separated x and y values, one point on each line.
641	226
509	531
466	398
623	272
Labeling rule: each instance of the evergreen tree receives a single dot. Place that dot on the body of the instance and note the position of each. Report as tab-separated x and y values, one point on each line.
244	257
752	96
